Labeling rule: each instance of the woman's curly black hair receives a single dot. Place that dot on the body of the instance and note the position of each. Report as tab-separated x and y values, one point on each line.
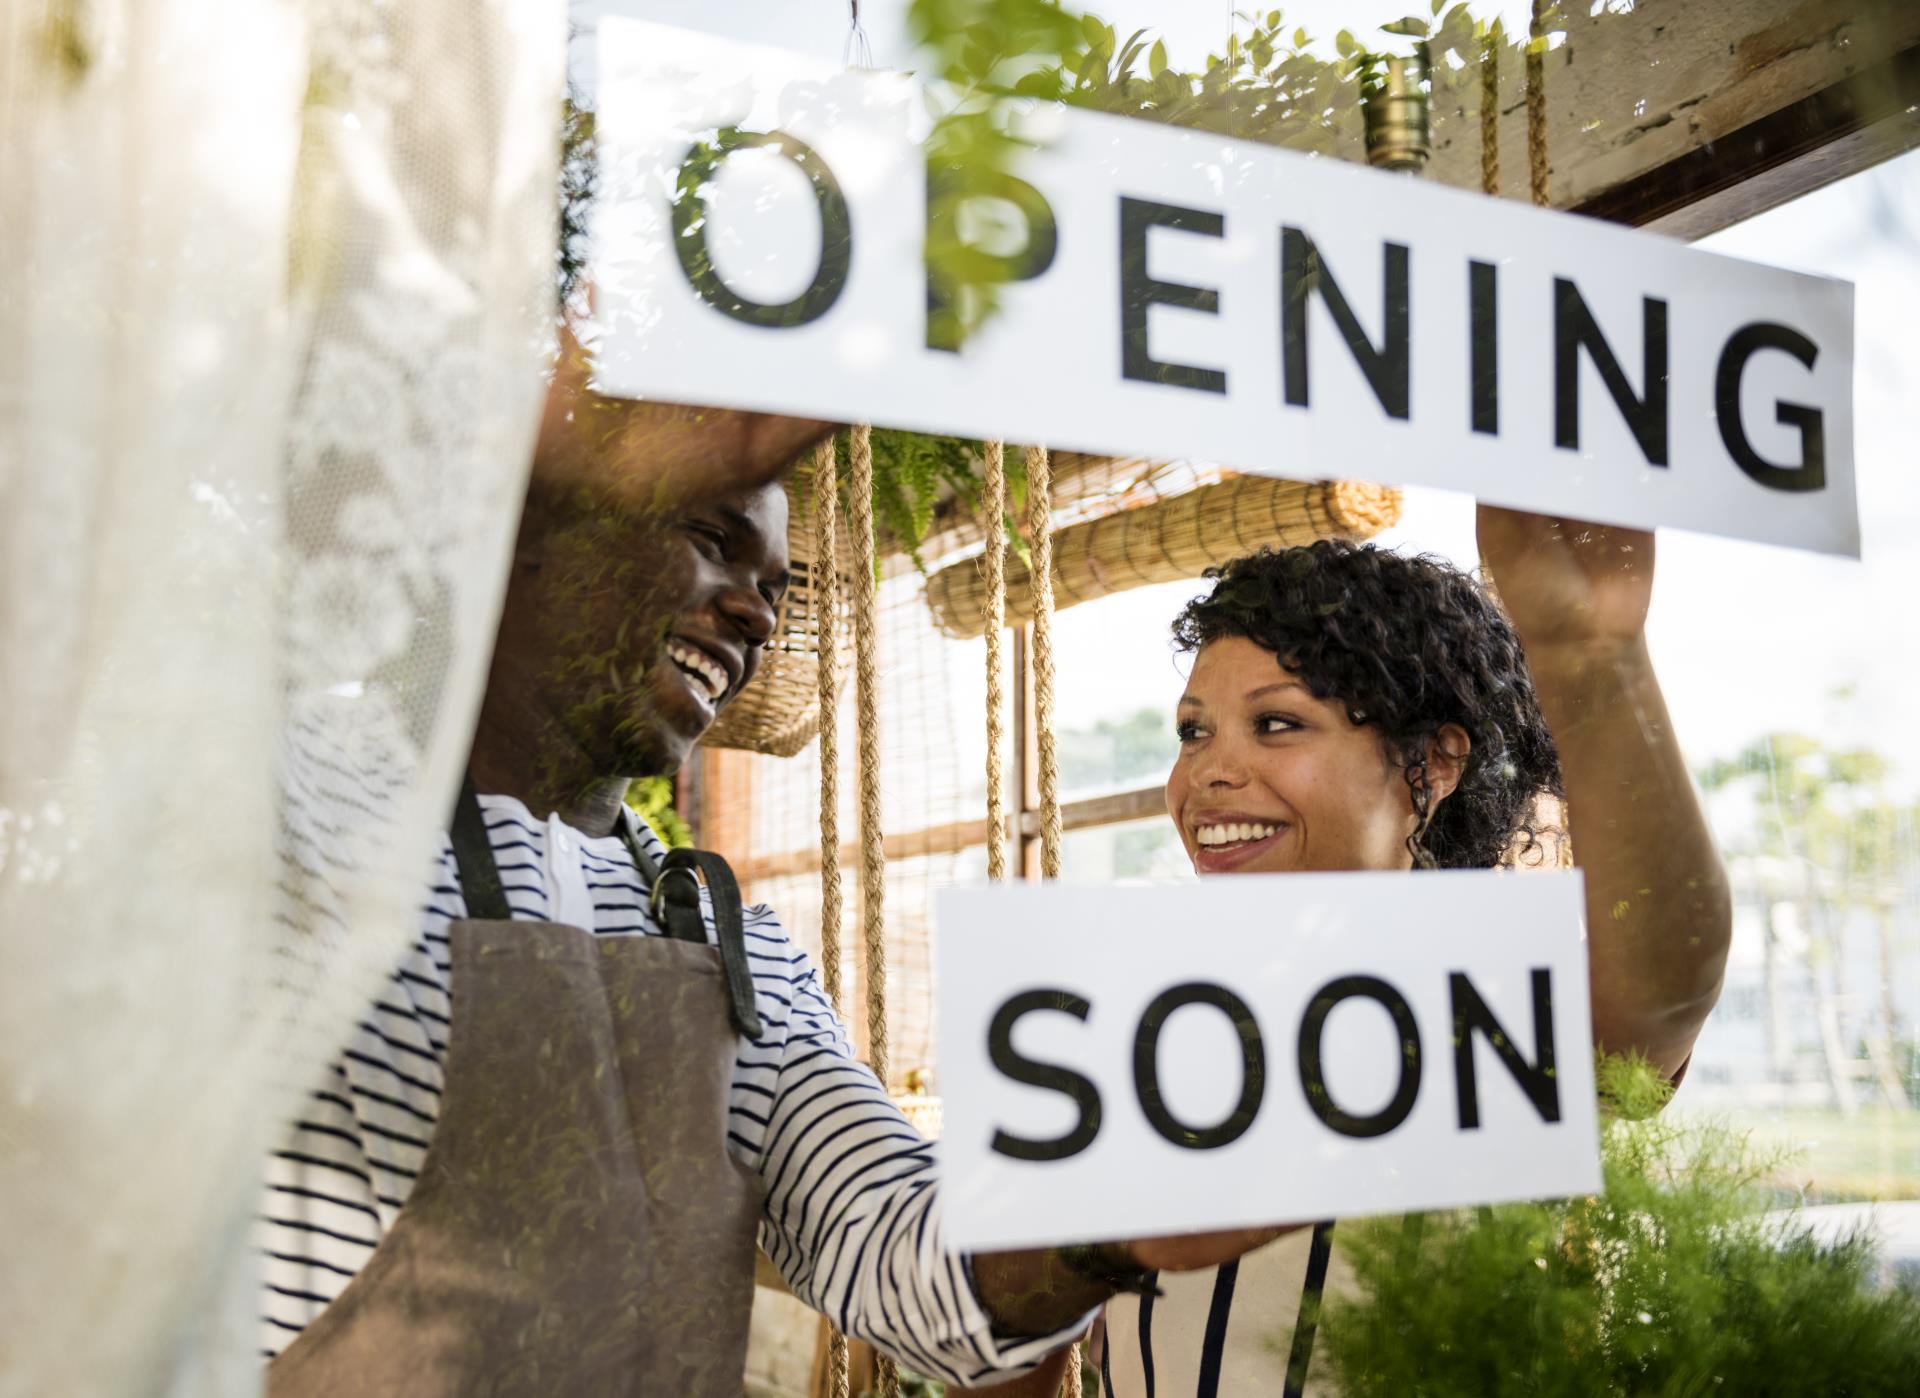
1407	644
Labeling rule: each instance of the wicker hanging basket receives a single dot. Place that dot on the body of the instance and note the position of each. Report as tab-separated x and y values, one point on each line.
779	712
1168	540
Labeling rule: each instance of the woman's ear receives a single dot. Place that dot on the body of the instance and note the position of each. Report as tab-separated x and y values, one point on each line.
1447	752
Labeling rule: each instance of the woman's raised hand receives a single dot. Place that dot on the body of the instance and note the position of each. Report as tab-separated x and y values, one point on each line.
1567	584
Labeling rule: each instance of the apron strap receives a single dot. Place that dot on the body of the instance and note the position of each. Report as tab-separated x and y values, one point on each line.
676	901
675	897
1301	1355
479	871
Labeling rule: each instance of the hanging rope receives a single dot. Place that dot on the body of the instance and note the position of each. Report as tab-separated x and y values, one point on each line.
873	858
826	594
1490	108
1537	100
856	52
993	508
1040	541
1040	536
873	865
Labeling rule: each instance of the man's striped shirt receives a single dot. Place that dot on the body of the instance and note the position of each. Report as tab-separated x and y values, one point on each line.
851	1211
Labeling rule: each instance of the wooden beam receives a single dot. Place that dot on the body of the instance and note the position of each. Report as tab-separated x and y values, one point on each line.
1833	133
912	844
1654	107
966	834
1141	804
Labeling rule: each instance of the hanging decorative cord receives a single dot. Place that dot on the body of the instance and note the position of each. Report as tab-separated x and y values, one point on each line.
826	591
1490	108
826	594
857	52
993	508
1537	100
1040	541
873	858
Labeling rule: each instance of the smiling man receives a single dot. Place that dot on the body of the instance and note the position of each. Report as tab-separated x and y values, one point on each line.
542	1162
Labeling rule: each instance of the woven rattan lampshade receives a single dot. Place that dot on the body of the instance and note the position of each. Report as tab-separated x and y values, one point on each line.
1170	539
779	712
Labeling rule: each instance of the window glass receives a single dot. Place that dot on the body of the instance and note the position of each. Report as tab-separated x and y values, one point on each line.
1138	849
1117	680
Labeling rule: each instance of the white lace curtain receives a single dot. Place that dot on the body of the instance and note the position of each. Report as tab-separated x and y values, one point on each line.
276	285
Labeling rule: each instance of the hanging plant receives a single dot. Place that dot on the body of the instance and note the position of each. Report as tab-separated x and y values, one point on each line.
914	474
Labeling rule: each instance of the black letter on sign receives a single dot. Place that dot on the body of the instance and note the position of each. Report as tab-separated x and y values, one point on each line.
1139	291
945	196
1048	1075
1483	295
700	164
1749	340
1388	367
1146	1066
1575	329
1536	1079
1313	1027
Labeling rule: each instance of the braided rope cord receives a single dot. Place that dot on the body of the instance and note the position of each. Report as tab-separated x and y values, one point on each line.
993	512
1490	109
873	858
1040	532
1537	100
1040	541
826	592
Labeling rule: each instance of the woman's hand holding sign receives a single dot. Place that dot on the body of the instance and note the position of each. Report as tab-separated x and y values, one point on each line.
1189	1252
1658	914
1568	584
1037	1291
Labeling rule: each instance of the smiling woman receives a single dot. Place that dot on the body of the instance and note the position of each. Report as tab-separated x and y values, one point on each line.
1351	708
1403	729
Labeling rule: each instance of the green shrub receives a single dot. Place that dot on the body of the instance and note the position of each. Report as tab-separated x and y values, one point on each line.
1674	1282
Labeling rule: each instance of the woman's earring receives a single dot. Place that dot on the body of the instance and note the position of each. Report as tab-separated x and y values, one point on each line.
1423	820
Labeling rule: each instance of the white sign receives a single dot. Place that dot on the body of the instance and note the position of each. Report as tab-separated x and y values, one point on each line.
761	245
1128	1062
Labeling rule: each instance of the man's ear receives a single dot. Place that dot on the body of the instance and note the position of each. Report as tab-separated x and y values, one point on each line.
1447	752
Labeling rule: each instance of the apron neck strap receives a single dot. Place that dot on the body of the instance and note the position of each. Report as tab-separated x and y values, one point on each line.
675	902
473	857
675	897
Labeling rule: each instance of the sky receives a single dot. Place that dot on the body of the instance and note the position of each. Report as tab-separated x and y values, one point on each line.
1748	638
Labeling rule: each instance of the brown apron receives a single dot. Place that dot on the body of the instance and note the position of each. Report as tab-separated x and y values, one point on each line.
578	1227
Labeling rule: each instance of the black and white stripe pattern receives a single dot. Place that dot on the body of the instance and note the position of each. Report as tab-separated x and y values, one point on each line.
852	1215
1245	1327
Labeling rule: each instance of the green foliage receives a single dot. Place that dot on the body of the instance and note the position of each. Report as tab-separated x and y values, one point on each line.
909	471
913	474
1826	805
652	800
987	56
1674	1282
